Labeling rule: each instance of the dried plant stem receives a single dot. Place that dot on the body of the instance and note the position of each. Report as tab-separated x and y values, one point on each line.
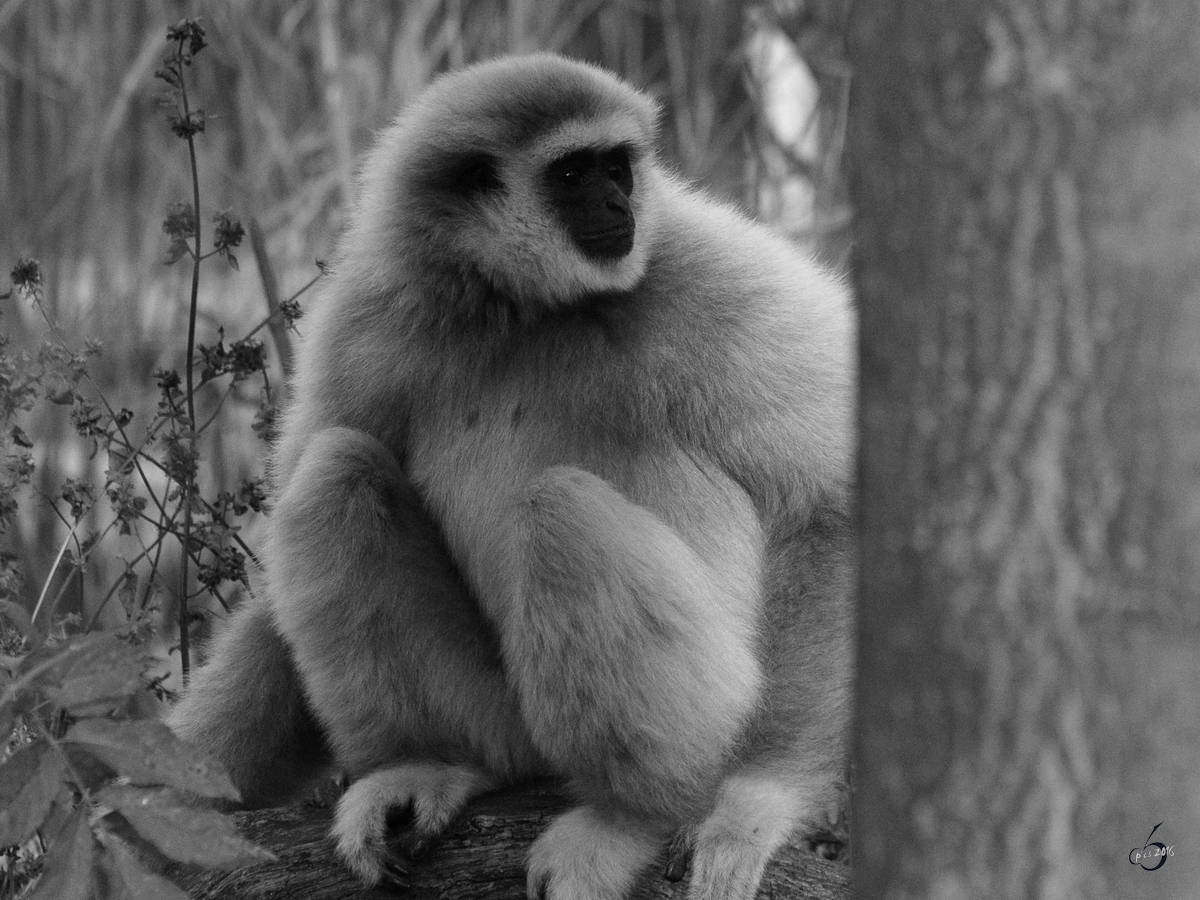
53	568
187	487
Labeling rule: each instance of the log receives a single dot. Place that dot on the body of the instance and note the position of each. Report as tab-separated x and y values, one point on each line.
481	857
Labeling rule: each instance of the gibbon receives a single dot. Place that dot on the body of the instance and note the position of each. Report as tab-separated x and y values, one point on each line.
565	487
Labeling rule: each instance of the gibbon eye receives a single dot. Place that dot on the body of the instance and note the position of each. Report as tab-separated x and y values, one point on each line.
572	177
478	175
617	167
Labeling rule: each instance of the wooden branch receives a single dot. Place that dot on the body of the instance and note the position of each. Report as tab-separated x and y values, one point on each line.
482	857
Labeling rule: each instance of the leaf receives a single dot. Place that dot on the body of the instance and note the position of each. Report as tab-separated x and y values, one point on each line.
20	438
89	676
86	770
67	870
8	721
29	782
66	658
186	834
16	614
148	753
128	878
98	694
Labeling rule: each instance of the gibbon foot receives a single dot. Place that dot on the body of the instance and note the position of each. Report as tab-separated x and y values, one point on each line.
585	855
753	818
425	797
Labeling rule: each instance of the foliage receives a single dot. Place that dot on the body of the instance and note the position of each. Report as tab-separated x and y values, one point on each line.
91	794
106	792
151	481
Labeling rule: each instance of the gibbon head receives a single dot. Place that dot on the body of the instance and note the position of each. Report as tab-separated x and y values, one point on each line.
529	180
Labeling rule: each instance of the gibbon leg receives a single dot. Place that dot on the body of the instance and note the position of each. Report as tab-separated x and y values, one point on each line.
246	708
432	793
791	757
632	654
756	812
587	854
399	665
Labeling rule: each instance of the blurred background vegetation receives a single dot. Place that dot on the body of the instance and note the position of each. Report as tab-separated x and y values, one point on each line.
754	98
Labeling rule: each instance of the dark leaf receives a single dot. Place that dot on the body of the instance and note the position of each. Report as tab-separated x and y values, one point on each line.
88	771
67	870
177	249
180	223
114	823
29	781
128	878
186	834
187	126
8	721
147	753
227	231
291	311
60	394
189	30
79	496
26	274
16	614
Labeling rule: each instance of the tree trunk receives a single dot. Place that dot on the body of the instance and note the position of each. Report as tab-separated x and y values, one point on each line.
481	858
1026	178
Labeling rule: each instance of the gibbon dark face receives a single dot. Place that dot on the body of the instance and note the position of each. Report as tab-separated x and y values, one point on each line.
476	175
590	191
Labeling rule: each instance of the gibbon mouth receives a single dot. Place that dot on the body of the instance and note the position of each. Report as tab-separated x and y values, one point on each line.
611	243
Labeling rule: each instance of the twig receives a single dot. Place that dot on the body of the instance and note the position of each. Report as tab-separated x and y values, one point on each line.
275	321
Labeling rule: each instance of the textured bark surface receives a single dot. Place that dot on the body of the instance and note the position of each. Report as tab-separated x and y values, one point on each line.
481	858
1026	179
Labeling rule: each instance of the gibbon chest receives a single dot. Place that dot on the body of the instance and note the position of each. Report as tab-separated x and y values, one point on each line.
476	462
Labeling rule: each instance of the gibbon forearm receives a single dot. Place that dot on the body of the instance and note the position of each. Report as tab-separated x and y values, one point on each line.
395	657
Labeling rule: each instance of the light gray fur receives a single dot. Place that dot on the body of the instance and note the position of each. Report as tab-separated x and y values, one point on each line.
541	513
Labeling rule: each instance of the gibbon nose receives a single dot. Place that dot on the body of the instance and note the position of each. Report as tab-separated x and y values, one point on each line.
618	203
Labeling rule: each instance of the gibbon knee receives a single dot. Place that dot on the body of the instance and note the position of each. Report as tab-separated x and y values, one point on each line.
635	665
348	494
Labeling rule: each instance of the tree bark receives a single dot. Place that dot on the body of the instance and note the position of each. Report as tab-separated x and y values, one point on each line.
1026	180
482	857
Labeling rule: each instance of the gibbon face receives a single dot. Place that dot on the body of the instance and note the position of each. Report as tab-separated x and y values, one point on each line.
542	195
590	190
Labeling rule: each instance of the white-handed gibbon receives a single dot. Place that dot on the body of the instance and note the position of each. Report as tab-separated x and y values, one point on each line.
565	487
